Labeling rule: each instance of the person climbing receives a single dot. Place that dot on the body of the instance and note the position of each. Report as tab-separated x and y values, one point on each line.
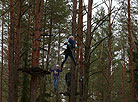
68	51
56	72
68	79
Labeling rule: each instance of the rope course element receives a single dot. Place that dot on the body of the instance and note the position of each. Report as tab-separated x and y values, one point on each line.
34	71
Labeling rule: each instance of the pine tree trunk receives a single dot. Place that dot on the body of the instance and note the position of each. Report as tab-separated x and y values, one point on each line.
1	77
17	44
79	51
74	17
109	51
87	51
77	59
73	84
72	97
36	45
12	70
132	86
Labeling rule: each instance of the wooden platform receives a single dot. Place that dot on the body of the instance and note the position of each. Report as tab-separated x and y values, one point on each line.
35	71
42	35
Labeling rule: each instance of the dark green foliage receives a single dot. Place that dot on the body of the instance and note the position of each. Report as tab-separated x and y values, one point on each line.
26	89
58	11
25	58
47	95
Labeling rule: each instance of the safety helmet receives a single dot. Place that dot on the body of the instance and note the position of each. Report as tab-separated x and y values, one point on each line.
57	65
68	69
71	37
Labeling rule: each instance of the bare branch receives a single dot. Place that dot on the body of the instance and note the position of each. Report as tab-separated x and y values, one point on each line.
97	44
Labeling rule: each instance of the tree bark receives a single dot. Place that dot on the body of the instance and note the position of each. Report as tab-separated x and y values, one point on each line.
36	46
72	97
79	50
109	51
74	17
1	77
132	86
17	43
87	51
12	95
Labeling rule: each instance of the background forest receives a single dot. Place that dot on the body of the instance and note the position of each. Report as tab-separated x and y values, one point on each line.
33	33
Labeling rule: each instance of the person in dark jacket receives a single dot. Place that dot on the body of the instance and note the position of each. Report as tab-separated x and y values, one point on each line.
68	79
68	52
55	72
